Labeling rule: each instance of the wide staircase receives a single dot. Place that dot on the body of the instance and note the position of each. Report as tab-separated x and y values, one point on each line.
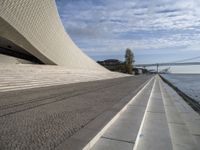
157	118
21	76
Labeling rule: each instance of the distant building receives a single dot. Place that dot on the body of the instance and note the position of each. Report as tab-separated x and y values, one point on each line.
152	71
139	71
113	65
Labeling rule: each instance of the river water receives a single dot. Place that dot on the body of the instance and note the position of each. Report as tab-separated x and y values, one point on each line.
187	83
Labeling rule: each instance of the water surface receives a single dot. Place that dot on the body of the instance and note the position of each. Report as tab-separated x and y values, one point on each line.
187	83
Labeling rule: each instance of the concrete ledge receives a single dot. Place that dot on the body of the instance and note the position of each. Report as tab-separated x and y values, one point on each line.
195	105
185	124
154	132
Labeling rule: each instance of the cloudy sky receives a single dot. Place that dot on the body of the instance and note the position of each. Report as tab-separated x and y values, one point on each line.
156	30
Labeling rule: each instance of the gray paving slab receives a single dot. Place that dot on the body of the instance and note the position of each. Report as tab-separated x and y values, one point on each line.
168	102
169	123
155	133
197	139
181	136
142	98
109	144
191	116
140	102
181	105
173	115
156	103
194	127
156	107
181	108
127	126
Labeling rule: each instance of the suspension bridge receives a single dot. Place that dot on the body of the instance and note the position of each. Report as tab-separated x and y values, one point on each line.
183	62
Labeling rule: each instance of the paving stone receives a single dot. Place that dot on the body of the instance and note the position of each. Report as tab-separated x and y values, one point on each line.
173	115
180	130
108	144
155	133
127	125
181	137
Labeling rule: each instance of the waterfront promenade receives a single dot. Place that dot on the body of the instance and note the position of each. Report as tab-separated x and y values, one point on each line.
138	112
46	117
156	118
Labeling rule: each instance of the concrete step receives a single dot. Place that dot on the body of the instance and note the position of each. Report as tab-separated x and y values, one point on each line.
158	118
183	120
16	77
154	131
122	133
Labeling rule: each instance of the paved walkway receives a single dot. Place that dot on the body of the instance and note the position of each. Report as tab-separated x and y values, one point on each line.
117	114
156	119
50	117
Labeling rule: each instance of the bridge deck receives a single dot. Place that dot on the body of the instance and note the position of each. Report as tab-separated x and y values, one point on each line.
167	64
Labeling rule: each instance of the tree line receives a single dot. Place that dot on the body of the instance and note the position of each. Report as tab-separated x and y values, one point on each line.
119	66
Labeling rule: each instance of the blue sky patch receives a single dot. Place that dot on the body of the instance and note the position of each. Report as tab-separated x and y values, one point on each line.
105	28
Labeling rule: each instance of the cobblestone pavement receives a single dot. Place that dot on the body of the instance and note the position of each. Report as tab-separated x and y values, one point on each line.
43	118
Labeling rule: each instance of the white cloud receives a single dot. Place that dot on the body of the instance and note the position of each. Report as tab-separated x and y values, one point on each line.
106	25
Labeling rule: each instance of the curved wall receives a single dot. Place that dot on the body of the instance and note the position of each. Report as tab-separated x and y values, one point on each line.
35	26
4	59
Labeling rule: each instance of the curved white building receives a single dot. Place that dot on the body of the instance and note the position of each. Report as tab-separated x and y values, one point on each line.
32	29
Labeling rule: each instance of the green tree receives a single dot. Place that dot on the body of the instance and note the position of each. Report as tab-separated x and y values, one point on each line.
129	60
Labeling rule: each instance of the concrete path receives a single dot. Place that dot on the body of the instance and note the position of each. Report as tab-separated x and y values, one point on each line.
123	132
163	122
183	121
64	116
123	113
